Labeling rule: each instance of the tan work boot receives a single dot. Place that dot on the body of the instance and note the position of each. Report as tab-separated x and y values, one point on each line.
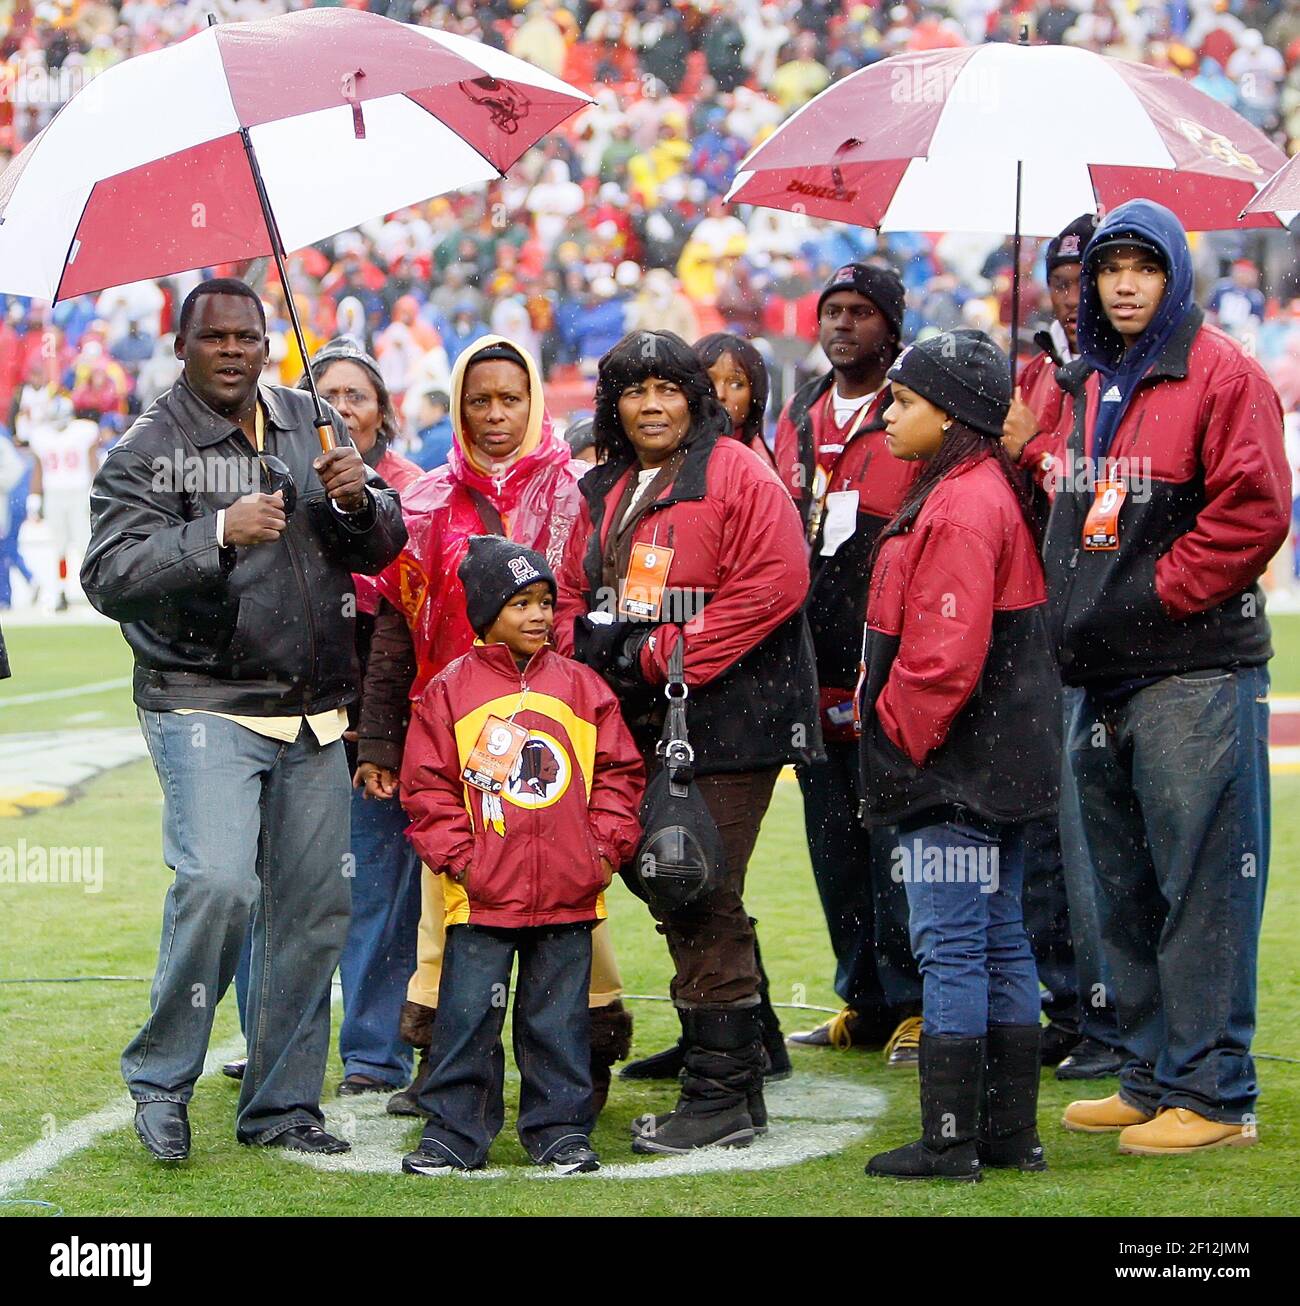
903	1051
1177	1129
1102	1115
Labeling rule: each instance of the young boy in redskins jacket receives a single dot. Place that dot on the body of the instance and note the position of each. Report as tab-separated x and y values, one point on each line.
523	785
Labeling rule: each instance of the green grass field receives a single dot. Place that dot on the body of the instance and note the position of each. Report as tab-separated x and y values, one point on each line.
62	1041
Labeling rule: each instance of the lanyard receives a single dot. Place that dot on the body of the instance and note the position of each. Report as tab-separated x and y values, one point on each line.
819	506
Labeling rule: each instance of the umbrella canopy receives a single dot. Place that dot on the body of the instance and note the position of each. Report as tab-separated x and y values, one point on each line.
935	140
1280	193
147	171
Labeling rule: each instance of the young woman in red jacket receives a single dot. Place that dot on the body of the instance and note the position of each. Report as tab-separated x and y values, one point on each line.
685	537
960	747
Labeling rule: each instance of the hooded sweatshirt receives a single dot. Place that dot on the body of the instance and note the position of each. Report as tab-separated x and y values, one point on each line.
1122	370
1192	430
533	500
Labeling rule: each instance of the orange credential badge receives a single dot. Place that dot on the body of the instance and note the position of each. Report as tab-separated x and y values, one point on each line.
647	574
1101	529
494	755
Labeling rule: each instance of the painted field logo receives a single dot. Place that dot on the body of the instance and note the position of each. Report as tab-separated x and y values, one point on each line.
77	1260
918	863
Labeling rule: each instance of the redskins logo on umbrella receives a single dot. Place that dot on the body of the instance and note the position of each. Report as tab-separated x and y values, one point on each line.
507	107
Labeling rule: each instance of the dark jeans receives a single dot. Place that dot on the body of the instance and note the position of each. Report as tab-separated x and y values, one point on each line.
1047	921
712	941
1097	1018
464	1093
865	909
964	881
249	823
1175	795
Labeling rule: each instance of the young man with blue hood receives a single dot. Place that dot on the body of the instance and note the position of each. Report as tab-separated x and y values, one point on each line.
1169	502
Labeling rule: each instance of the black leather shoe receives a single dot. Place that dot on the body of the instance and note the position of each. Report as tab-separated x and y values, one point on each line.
1091	1059
1059	1040
235	1069
164	1128
355	1085
310	1138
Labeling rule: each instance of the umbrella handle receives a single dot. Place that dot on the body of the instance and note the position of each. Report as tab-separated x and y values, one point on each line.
325	433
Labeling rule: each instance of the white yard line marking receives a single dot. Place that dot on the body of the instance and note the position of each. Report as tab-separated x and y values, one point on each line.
812	1116
73	691
37	1161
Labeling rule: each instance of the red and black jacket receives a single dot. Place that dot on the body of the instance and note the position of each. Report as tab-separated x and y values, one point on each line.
960	703
837	593
1179	592
530	855
737	550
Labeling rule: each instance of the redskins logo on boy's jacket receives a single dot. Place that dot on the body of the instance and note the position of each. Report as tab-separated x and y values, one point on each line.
530	854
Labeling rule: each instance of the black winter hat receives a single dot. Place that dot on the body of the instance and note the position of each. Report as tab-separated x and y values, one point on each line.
880	285
1068	246
964	373
494	571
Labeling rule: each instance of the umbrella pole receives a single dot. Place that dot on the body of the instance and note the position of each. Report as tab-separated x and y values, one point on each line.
324	427
1015	284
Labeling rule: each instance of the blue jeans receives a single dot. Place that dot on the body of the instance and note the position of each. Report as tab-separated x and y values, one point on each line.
1097	1018
968	930
1174	789
379	955
464	1093
866	911
249	823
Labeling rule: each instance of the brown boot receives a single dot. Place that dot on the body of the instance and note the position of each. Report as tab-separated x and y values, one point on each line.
611	1041
415	1026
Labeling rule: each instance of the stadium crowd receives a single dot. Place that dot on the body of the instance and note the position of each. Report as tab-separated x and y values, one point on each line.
616	221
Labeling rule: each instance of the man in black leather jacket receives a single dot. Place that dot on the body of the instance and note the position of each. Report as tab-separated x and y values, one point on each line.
239	607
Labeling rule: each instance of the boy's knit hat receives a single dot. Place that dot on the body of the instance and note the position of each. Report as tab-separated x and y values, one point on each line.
494	571
964	373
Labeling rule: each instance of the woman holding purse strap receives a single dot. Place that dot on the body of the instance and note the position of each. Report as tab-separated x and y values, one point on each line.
684	538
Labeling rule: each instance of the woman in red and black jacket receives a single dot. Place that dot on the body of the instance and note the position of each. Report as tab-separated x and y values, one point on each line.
960	747
671	491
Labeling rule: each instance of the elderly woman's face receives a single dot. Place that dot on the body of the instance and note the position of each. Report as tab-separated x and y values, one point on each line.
655	417
350	388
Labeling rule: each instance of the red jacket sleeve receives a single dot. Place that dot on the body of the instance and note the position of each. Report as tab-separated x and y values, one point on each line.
787	455
432	791
571	583
616	786
764	581
947	628
1247	500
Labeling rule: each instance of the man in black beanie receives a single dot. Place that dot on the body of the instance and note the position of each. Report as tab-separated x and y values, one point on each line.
831	455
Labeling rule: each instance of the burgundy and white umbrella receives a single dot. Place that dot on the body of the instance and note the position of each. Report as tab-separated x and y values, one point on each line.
144	172
261	138
1280	193
937	140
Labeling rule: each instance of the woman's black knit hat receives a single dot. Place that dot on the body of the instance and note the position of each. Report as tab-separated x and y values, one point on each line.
964	373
